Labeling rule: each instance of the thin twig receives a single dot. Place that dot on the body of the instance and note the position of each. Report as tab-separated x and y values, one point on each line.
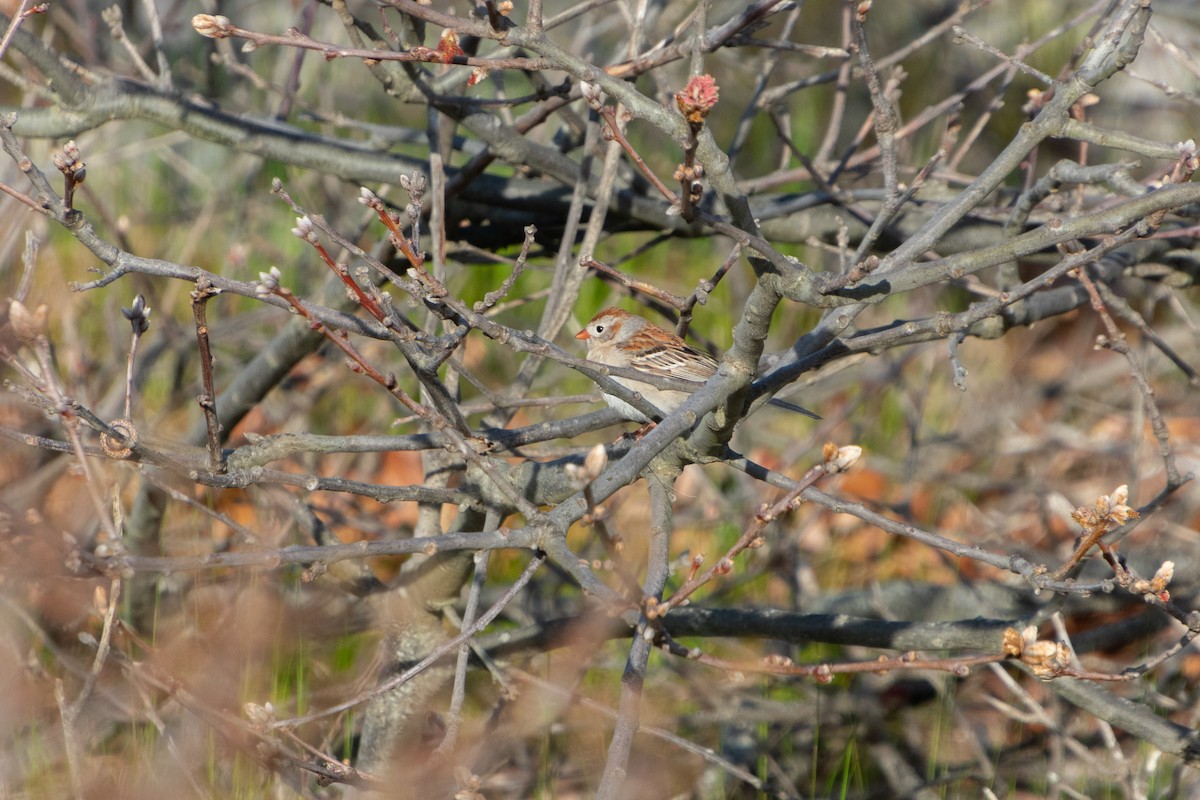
204	292
1115	341
22	12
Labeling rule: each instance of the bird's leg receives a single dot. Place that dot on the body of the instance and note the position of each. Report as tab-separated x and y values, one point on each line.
642	431
635	436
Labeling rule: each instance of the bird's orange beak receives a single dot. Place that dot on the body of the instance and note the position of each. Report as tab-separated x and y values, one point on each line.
583	334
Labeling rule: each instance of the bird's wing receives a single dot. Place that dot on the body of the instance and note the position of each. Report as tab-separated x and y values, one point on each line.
687	363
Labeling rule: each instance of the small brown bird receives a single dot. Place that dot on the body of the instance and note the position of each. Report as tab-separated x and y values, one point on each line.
617	338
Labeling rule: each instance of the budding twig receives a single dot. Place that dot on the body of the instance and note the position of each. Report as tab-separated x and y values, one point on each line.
836	459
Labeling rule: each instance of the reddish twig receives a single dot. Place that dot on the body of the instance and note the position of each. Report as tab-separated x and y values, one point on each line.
204	292
22	13
695	102
219	27
633	284
703	290
304	230
269	283
612	131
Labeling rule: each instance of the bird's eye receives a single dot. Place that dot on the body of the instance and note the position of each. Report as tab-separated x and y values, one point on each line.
599	329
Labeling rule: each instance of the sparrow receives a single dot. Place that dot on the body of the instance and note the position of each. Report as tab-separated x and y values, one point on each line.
618	338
